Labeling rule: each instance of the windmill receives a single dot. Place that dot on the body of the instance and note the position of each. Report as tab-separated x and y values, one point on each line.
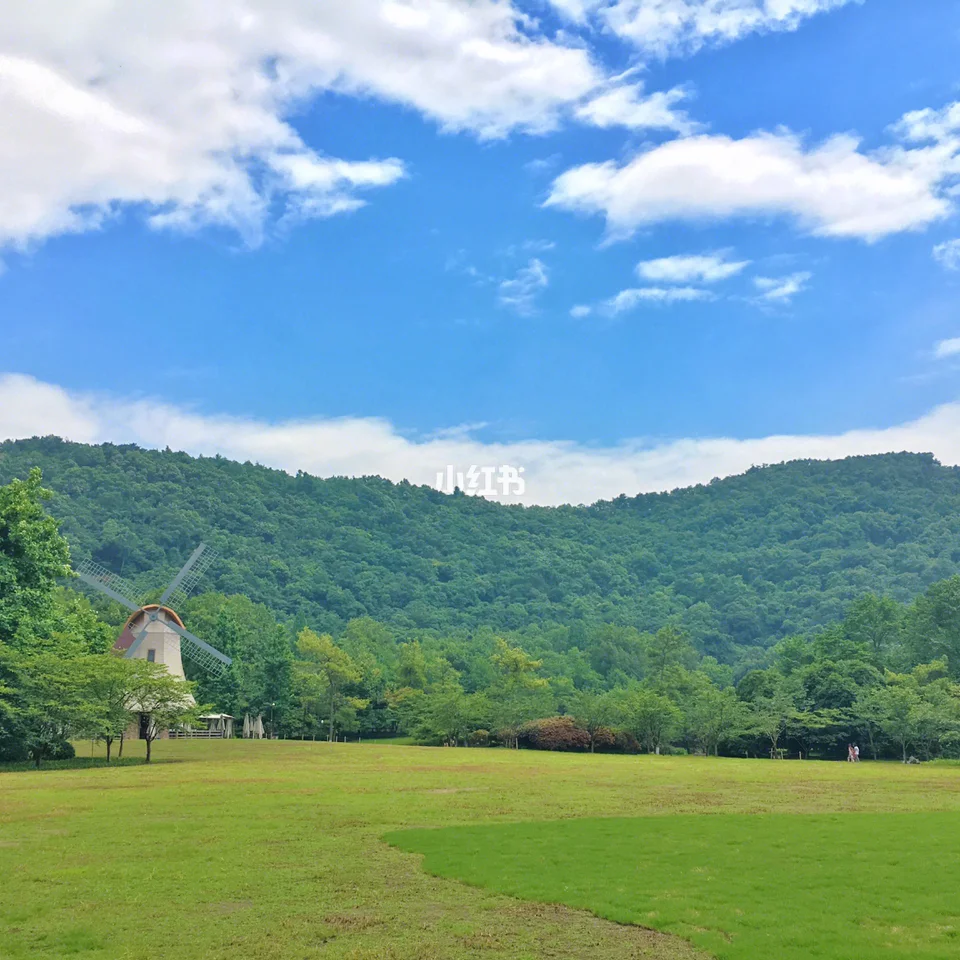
154	631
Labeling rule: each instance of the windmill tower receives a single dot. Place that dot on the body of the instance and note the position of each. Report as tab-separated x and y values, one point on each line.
154	631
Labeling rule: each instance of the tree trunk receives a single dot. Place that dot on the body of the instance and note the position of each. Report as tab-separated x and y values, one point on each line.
120	751
591	743
149	744
904	745
109	745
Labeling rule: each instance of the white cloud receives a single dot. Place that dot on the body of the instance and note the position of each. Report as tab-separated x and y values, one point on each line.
519	293
555	471
938	126
580	310
781	289
663	27
626	106
948	254
947	348
628	299
575	10
832	189
703	268
181	107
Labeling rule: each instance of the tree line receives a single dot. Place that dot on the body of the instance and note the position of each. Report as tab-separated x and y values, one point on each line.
885	675
737	564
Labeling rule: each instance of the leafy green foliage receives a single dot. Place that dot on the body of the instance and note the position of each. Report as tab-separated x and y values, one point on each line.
165	698
736	564
33	557
884	670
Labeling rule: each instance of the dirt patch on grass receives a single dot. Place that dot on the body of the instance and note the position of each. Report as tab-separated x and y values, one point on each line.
352	920
568	934
453	790
232	906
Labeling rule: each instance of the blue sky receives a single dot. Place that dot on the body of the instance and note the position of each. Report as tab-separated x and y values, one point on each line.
382	240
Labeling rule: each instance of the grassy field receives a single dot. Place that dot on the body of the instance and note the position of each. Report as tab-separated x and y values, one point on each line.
744	887
269	849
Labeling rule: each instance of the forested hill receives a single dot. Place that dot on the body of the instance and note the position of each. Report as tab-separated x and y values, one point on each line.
741	561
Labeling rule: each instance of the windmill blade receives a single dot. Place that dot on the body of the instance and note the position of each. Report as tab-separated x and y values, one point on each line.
189	576
201	653
91	572
135	646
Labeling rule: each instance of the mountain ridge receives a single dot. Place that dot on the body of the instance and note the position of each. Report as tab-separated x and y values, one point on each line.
738	562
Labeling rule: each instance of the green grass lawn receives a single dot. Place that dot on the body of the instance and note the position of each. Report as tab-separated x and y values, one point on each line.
743	887
274	849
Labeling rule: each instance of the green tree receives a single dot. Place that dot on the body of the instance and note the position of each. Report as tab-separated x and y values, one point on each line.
412	666
518	694
898	703
333	671
868	713
772	711
594	712
115	683
33	558
652	718
933	625
450	715
875	621
167	700
667	647
53	700
713	716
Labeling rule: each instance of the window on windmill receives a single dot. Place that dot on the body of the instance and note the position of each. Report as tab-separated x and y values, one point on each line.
152	655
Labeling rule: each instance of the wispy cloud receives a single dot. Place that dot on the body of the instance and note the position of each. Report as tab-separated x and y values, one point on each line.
947	348
674	27
948	254
529	246
580	310
687	268
781	289
520	292
626	105
629	299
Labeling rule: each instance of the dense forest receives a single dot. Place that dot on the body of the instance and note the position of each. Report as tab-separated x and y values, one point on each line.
736	564
885	670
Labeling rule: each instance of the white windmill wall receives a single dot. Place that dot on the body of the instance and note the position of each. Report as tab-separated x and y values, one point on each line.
165	644
159	639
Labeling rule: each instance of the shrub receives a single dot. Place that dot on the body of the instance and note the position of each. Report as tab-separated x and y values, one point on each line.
62	751
554	733
625	742
479	738
605	739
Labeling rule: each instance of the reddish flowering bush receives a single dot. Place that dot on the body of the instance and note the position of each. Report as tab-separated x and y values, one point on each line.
554	733
605	739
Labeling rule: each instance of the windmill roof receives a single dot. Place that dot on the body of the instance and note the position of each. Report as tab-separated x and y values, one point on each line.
126	638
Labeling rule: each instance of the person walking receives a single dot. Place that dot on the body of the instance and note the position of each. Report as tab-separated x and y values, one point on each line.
849	753
856	753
